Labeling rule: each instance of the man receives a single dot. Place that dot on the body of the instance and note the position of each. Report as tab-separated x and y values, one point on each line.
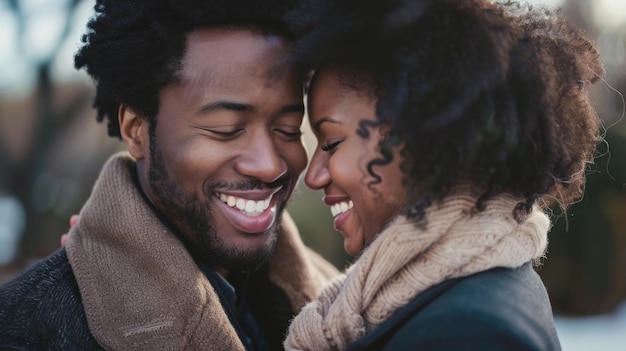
183	244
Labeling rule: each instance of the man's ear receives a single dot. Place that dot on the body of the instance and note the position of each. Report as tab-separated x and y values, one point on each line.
134	131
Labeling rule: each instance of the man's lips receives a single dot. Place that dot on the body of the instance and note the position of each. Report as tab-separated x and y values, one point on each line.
250	207
249	211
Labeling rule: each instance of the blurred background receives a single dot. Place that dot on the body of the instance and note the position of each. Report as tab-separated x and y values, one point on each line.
52	149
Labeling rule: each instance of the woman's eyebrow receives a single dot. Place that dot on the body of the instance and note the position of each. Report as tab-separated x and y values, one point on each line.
316	125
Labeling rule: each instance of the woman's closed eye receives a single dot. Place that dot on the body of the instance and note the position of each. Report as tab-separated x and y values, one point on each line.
330	146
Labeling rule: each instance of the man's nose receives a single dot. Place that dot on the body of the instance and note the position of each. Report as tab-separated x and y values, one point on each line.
262	160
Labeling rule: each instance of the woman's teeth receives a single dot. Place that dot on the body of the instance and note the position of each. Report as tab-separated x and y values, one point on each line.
248	207
341	207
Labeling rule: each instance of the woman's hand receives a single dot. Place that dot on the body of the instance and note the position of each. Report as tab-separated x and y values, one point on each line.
73	221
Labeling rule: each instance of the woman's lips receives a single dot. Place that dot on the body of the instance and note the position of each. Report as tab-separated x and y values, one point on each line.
341	219
340	208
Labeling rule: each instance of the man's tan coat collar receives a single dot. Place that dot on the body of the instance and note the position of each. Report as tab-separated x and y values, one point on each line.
142	290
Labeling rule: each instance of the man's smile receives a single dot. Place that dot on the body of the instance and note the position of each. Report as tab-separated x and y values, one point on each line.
250	211
248	207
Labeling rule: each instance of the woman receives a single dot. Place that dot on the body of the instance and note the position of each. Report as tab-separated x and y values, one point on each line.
446	129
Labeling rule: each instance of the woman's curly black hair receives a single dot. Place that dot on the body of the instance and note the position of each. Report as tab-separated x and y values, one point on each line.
133	48
494	94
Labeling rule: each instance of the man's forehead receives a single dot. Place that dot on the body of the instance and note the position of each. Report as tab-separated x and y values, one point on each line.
228	43
220	55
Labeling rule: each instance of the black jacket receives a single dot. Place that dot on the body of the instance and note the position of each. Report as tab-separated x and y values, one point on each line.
500	309
42	310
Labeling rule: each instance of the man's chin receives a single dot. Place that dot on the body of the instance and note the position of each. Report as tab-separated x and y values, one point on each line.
248	261
238	258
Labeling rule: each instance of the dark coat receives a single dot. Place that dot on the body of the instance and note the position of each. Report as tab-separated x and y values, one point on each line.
500	309
42	310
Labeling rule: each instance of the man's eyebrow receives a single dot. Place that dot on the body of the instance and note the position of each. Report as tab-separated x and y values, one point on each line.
224	105
316	126
299	108
241	107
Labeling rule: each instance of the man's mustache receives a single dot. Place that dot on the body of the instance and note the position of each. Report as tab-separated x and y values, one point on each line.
249	185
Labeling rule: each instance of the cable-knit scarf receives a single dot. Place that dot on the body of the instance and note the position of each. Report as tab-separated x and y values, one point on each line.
404	261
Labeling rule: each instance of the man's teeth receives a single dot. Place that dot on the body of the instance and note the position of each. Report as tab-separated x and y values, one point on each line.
248	207
341	207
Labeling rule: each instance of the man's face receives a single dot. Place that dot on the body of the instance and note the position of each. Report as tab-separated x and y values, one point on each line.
226	152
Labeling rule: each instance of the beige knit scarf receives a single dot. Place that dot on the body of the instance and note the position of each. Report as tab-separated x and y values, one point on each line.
404	261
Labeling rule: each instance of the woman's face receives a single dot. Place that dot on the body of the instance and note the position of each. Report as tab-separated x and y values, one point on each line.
339	163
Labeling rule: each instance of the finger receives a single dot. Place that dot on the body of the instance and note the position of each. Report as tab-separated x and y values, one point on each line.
73	220
63	239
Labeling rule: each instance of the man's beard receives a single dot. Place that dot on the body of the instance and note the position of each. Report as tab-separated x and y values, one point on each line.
194	215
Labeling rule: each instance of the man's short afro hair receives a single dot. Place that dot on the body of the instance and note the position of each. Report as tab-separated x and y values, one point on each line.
133	48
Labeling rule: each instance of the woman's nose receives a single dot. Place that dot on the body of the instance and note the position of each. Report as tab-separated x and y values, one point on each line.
317	175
